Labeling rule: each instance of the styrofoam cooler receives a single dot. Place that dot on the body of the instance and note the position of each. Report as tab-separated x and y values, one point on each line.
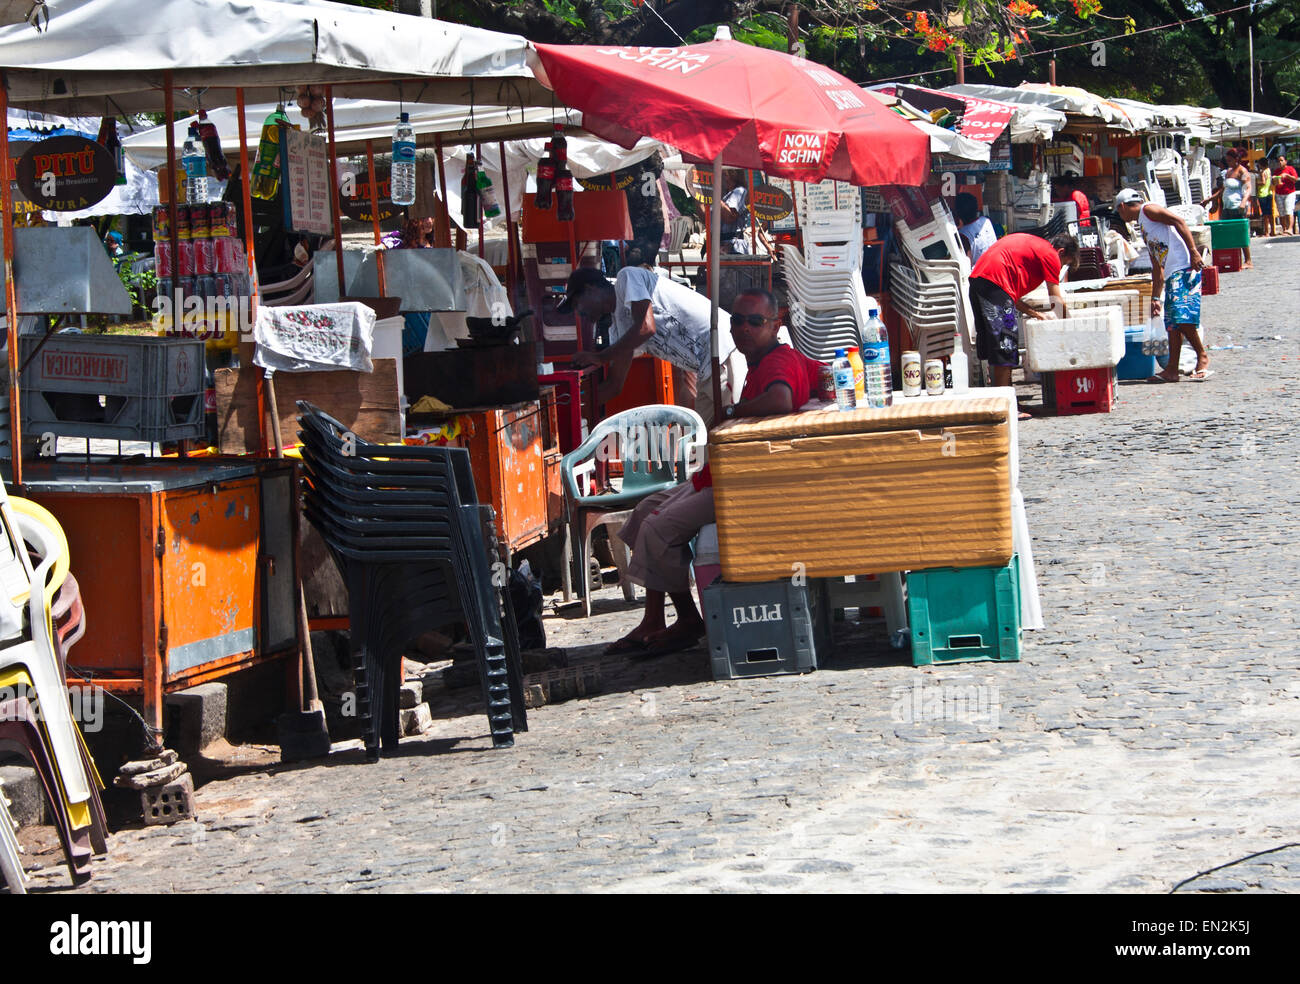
1087	340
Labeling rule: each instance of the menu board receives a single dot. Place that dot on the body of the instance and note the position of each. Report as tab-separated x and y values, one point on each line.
305	183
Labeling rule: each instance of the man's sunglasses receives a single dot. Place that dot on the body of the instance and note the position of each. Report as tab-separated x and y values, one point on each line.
753	320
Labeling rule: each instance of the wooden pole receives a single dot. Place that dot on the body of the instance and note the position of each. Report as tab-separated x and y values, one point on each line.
444	228
482	247
1051	71
334	191
374	217
245	331
11	294
961	65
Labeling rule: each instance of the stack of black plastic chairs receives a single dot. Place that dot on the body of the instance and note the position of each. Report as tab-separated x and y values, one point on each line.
413	546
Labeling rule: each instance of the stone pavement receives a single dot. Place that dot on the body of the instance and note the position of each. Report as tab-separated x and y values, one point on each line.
1148	734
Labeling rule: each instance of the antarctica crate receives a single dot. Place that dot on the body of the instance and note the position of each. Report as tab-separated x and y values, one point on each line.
767	628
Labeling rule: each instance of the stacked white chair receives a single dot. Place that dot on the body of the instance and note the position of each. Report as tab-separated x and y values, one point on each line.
828	303
931	284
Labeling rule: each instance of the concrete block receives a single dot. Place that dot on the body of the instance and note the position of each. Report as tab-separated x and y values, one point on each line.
416	720
22	786
196	717
412	693
170	803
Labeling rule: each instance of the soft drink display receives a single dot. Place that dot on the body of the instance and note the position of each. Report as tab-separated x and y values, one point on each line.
469	194
402	176
842	369
217	166
108	138
266	172
195	162
487	195
545	180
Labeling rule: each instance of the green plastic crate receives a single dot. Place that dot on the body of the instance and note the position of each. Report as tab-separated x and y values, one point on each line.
1230	234
963	614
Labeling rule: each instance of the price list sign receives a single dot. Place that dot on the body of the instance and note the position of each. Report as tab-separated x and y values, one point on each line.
306	183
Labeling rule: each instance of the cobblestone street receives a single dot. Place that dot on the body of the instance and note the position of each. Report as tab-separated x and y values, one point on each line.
1149	732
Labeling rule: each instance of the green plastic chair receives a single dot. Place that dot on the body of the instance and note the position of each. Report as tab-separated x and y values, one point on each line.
656	445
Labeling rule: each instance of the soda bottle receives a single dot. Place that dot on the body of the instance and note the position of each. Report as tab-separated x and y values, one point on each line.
266	171
545	180
108	138
859	376
195	163
842	369
217	166
469	195
875	358
487	195
563	177
403	171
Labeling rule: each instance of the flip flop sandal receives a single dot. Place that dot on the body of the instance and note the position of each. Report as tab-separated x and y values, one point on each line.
1200	377
625	646
668	648
1158	379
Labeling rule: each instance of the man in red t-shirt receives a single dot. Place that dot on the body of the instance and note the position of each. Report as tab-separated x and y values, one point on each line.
662	526
1069	183
1008	270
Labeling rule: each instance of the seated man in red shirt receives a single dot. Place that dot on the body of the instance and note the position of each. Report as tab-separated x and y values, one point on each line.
1008	270
1069	185
662	526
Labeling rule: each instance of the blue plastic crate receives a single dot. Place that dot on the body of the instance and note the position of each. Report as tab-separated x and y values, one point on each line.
1135	365
963	614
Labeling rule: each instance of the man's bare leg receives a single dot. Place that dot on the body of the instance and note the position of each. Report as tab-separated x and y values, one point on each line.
1170	373
686	630
1246	265
1001	375
1198	346
652	621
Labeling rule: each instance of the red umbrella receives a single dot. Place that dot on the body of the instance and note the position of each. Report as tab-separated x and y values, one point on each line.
755	107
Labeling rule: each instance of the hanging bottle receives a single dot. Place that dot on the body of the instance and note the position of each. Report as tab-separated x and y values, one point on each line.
469	195
266	170
487	195
545	180
196	168
217	166
563	177
402	176
108	138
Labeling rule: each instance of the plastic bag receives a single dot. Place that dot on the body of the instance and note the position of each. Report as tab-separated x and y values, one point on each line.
1156	339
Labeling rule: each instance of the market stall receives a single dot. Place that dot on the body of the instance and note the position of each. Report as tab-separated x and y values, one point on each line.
231	520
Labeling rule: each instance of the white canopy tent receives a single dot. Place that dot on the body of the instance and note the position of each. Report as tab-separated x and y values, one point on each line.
109	56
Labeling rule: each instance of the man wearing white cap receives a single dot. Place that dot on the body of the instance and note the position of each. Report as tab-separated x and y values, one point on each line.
1175	279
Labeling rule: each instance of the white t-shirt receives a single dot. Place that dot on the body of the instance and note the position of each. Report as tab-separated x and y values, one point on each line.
1165	245
981	236
681	320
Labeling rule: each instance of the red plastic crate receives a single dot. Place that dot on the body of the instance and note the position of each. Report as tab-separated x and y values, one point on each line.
1209	280
1227	261
1079	391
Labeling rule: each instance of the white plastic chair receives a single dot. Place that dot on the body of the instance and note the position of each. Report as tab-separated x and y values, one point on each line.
11	862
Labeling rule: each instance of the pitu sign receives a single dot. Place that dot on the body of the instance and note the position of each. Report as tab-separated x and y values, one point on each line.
354	195
66	174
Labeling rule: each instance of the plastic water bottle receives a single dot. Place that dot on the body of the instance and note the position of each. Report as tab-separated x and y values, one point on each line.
402	175
875	359
845	386
195	161
960	366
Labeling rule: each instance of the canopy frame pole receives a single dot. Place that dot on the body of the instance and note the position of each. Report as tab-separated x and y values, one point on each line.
715	287
512	281
444	227
374	217
11	294
246	195
334	191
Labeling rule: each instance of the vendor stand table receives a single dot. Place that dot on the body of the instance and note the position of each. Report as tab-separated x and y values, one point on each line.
186	567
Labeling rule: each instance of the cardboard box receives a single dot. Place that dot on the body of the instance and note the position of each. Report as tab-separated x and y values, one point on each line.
924	483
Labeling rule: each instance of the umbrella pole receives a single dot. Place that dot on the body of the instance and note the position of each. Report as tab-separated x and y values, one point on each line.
374	217
11	296
334	191
246	330
715	248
